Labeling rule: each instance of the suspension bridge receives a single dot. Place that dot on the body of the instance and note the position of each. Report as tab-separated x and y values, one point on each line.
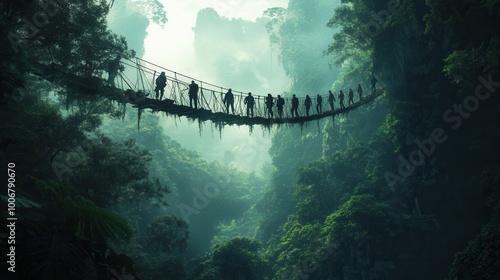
140	93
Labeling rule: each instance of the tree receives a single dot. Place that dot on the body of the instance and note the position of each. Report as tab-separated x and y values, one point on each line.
300	252
476	43
238	259
111	173
169	234
154	10
76	39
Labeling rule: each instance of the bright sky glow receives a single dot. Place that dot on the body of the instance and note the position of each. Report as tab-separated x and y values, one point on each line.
172	46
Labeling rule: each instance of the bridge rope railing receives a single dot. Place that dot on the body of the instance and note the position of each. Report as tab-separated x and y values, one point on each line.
210	96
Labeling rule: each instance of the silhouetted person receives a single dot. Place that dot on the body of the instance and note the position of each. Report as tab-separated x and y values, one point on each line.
113	68
360	92
229	100
279	104
341	100
295	106
373	82
351	97
308	103
161	82
193	94
319	102
269	105
250	102
331	99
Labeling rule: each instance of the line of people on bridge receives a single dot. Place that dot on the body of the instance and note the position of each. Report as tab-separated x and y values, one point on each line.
249	100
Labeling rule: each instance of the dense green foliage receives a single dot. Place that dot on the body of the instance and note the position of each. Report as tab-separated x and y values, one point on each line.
234	259
373	213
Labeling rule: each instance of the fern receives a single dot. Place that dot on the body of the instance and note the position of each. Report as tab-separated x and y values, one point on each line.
22	202
83	217
89	221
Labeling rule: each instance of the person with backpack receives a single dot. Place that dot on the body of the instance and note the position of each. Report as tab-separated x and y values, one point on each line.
331	99
161	83
229	100
341	100
280	102
269	105
308	103
360	92
250	102
193	94
295	106
351	97
319	102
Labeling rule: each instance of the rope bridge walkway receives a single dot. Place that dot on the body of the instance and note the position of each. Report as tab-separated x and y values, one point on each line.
210	99
140	92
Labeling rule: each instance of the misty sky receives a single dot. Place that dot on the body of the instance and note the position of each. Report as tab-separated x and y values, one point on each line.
173	47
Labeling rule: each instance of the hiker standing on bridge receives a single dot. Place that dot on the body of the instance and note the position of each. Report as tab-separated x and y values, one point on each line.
308	103
351	97
341	100
295	106
374	81
161	83
319	102
279	104
360	92
250	102
193	94
229	100
331	99
269	105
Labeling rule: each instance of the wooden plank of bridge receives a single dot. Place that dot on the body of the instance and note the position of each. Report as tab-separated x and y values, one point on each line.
170	107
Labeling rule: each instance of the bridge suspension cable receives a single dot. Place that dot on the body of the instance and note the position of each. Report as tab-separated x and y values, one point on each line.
210	99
